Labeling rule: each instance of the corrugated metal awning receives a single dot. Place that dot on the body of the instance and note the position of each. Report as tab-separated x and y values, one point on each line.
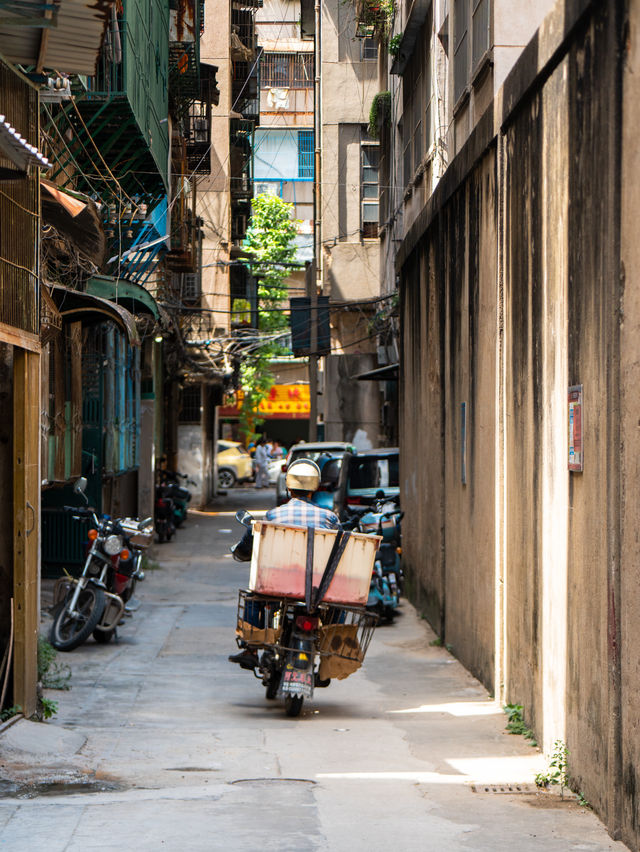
68	42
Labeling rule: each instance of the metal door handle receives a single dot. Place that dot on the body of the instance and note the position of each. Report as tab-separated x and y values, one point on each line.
33	526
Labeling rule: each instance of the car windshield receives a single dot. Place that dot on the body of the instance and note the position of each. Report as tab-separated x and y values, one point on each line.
314	455
366	472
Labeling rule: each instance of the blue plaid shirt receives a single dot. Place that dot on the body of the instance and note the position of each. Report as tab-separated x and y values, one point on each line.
302	513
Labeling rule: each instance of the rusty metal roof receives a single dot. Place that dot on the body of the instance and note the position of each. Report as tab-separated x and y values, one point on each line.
69	43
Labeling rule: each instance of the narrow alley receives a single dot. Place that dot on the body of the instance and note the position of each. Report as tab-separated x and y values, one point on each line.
161	743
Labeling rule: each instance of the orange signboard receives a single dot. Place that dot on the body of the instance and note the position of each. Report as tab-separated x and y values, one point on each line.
284	402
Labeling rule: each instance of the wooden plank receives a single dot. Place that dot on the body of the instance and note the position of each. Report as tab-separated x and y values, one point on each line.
26	502
16	337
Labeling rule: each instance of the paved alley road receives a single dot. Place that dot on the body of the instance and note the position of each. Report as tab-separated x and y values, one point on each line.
163	744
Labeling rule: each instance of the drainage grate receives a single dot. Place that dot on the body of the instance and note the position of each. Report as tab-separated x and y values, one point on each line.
506	789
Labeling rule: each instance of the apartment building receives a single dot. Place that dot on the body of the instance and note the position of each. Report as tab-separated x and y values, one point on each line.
347	252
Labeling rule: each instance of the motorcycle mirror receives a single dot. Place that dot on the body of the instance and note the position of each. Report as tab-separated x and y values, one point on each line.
243	517
79	487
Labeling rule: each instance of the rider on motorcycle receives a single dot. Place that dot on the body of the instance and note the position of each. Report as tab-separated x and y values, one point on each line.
303	479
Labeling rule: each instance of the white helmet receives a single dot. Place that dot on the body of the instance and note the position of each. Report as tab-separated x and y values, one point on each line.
303	475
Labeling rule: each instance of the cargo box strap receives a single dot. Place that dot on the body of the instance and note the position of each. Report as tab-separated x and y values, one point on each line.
308	575
335	556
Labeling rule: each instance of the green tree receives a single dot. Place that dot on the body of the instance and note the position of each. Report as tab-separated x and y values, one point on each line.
269	239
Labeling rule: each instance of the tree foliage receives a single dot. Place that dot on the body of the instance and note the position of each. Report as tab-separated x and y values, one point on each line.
269	239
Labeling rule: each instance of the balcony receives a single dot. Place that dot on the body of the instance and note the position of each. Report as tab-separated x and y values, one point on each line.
185	226
186	21
197	132
119	117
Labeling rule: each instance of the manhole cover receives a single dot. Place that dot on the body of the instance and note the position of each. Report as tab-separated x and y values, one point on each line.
505	789
263	781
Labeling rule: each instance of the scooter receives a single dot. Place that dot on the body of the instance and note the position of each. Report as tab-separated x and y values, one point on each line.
382	519
180	495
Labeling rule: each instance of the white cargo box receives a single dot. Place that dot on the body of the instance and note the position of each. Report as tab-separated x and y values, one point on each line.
279	561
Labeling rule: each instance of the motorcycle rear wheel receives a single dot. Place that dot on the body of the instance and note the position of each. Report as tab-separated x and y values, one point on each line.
69	632
293	704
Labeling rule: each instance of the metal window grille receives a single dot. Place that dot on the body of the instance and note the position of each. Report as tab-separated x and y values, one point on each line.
480	28
370	164
286	70
369	48
460	47
305	153
190	403
191	287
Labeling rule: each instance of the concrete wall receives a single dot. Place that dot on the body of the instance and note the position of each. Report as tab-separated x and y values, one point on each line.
351	408
517	282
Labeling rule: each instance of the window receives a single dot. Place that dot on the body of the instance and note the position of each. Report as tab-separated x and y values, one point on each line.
480	30
286	70
369	48
416	125
472	40
369	159
460	48
190	404
305	153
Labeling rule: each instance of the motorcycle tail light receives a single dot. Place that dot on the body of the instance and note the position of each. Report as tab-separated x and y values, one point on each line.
92	535
307	622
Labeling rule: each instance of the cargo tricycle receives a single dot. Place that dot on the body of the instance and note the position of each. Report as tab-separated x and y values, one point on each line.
303	617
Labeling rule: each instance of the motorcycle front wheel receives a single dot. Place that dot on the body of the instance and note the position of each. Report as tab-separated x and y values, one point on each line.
67	631
293	704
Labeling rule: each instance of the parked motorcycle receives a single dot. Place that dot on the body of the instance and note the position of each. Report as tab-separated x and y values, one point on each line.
95	602
179	494
164	514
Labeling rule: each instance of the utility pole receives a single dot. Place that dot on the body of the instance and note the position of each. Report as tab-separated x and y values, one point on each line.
315	268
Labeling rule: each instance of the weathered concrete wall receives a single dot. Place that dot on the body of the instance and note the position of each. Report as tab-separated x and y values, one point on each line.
351	407
191	453
529	570
448	304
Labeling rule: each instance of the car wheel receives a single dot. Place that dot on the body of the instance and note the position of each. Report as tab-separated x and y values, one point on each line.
226	478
